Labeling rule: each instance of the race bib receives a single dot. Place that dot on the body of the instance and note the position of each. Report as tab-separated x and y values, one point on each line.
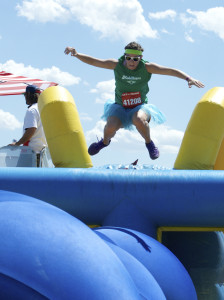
131	99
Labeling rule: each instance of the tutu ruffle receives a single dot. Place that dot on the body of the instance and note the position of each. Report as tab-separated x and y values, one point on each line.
125	114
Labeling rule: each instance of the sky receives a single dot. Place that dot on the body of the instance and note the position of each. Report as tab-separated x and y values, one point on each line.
184	34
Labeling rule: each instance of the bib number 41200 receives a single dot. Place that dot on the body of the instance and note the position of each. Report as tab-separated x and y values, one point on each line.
131	99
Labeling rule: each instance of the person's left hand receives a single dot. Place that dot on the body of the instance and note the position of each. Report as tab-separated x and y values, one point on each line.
197	83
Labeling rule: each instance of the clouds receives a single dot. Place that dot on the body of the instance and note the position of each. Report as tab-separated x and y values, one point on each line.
188	37
8	121
43	11
49	74
210	20
85	117
168	139
117	19
167	14
104	91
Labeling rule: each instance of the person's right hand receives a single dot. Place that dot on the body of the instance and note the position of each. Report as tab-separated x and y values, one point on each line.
191	81
70	50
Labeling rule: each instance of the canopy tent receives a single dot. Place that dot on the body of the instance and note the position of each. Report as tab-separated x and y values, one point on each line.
16	85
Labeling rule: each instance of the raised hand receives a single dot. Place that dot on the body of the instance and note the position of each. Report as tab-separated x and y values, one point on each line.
197	83
70	50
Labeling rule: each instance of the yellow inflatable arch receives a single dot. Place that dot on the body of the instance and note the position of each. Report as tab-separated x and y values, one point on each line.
202	146
63	130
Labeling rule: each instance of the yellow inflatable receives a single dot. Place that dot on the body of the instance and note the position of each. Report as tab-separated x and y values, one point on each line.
202	147
63	129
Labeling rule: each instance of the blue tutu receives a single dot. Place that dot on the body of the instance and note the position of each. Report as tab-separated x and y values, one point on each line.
125	114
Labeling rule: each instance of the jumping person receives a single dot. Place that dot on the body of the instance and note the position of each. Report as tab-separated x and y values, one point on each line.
131	107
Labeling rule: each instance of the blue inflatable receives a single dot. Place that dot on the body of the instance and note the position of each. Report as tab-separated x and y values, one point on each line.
170	274
48	251
47	254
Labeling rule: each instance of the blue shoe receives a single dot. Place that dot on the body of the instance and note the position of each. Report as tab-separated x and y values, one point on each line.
153	150
95	148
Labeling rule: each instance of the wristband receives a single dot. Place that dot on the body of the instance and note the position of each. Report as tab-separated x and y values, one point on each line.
187	79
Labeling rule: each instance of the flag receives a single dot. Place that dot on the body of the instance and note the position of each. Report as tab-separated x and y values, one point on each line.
16	85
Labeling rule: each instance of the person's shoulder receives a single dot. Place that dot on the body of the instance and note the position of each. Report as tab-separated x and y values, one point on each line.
33	109
34	106
150	66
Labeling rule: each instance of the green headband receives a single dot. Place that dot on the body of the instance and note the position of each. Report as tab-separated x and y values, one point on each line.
132	51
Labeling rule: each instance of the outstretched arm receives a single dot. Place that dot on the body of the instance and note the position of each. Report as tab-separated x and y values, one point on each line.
157	69
96	62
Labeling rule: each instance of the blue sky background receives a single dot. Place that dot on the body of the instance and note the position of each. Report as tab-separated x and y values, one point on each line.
187	35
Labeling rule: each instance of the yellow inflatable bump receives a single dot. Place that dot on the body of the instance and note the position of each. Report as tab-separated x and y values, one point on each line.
202	147
219	164
63	129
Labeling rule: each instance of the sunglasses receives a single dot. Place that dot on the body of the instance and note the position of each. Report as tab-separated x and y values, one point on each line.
136	58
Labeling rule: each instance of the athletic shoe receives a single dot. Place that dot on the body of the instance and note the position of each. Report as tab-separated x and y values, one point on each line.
96	147
153	150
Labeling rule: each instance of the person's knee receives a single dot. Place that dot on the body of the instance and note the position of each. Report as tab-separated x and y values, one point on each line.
113	124
140	121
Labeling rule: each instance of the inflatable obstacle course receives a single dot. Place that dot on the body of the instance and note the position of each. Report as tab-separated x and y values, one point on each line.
44	212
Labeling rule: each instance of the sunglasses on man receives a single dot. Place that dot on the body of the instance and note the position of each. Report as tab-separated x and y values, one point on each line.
136	58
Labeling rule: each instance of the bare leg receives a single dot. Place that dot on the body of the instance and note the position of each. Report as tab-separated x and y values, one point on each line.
141	121
112	126
110	129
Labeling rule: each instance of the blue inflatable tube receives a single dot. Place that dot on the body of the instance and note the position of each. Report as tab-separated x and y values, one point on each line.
99	196
46	253
138	201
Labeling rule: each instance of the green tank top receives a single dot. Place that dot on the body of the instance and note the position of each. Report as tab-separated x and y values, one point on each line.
131	80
